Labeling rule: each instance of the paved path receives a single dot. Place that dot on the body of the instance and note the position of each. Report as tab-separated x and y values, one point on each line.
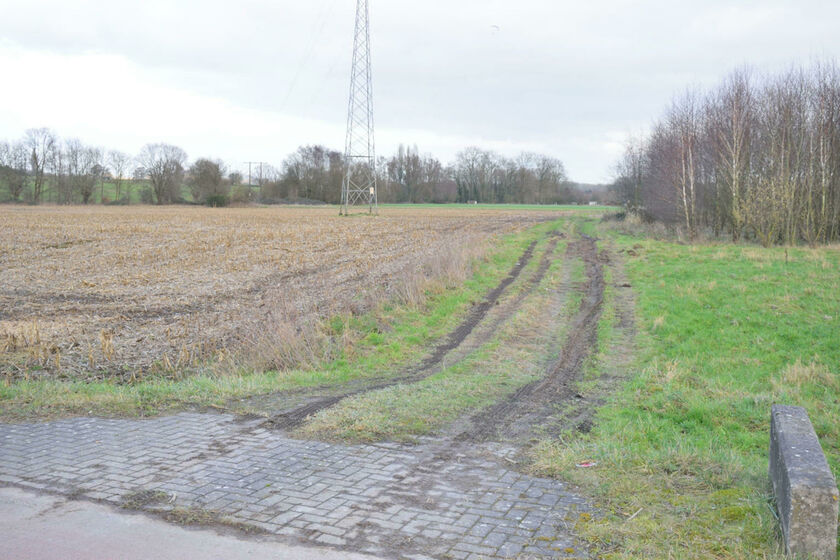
45	528
433	500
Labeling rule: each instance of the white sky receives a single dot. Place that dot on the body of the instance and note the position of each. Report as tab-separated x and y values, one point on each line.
254	79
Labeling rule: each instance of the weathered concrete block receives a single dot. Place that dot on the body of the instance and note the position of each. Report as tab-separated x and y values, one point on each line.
805	488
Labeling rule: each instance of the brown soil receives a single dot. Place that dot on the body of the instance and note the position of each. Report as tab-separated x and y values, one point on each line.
577	414
515	417
106	293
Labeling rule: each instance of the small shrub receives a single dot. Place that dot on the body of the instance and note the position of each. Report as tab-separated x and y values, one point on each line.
147	196
217	201
614	217
241	194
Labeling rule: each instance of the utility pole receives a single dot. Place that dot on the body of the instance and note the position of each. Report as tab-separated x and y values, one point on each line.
250	163
249	171
359	185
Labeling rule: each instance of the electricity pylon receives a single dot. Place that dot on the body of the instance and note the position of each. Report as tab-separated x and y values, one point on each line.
359	186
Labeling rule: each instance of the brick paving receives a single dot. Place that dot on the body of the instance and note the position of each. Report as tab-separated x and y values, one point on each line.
432	500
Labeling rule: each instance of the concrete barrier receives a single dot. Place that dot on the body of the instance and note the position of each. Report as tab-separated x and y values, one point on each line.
805	488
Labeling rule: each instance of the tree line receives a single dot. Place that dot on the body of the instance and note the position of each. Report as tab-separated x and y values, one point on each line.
756	158
411	177
41	167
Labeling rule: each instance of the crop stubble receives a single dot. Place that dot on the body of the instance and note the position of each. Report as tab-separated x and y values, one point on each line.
101	292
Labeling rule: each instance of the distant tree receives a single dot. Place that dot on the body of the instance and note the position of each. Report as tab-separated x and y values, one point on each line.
235	178
41	143
84	165
5	167
118	162
100	174
13	168
164	165
19	164
470	174
207	180
74	165
436	185
629	173
313	172
552	181
405	170
484	176
757	158
57	166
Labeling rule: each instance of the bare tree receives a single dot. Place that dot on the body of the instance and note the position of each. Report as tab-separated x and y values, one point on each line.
474	171
41	142
313	172
630	174
759	158
405	171
164	166
118	162
84	168
551	180
684	121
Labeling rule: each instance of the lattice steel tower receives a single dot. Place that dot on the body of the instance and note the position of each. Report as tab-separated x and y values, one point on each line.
359	186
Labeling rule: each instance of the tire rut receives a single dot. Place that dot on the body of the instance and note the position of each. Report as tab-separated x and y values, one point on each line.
515	416
433	363
579	413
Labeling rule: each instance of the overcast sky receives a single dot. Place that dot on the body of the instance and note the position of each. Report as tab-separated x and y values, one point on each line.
253	79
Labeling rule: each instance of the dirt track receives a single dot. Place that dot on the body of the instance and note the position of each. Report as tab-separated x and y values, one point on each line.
515	416
293	418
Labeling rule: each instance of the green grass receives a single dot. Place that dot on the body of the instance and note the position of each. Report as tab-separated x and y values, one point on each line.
108	190
725	331
513	357
384	339
559	207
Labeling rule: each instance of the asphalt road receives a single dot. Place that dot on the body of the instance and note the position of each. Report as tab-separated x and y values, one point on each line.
45	527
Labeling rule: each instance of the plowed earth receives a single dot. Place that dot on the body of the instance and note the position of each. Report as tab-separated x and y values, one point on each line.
105	292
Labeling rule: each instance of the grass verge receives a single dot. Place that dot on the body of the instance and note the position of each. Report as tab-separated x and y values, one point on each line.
725	331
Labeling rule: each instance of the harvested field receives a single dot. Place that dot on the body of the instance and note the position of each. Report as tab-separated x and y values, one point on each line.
104	292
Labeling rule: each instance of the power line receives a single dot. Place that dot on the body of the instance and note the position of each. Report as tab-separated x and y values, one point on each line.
315	39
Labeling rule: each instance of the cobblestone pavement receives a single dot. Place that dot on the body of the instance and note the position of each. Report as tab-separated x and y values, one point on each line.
431	500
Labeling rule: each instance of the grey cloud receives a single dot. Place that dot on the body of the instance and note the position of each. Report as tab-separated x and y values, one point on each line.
552	70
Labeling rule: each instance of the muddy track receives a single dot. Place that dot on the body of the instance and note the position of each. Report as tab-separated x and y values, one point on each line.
515	416
578	412
477	313
431	364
